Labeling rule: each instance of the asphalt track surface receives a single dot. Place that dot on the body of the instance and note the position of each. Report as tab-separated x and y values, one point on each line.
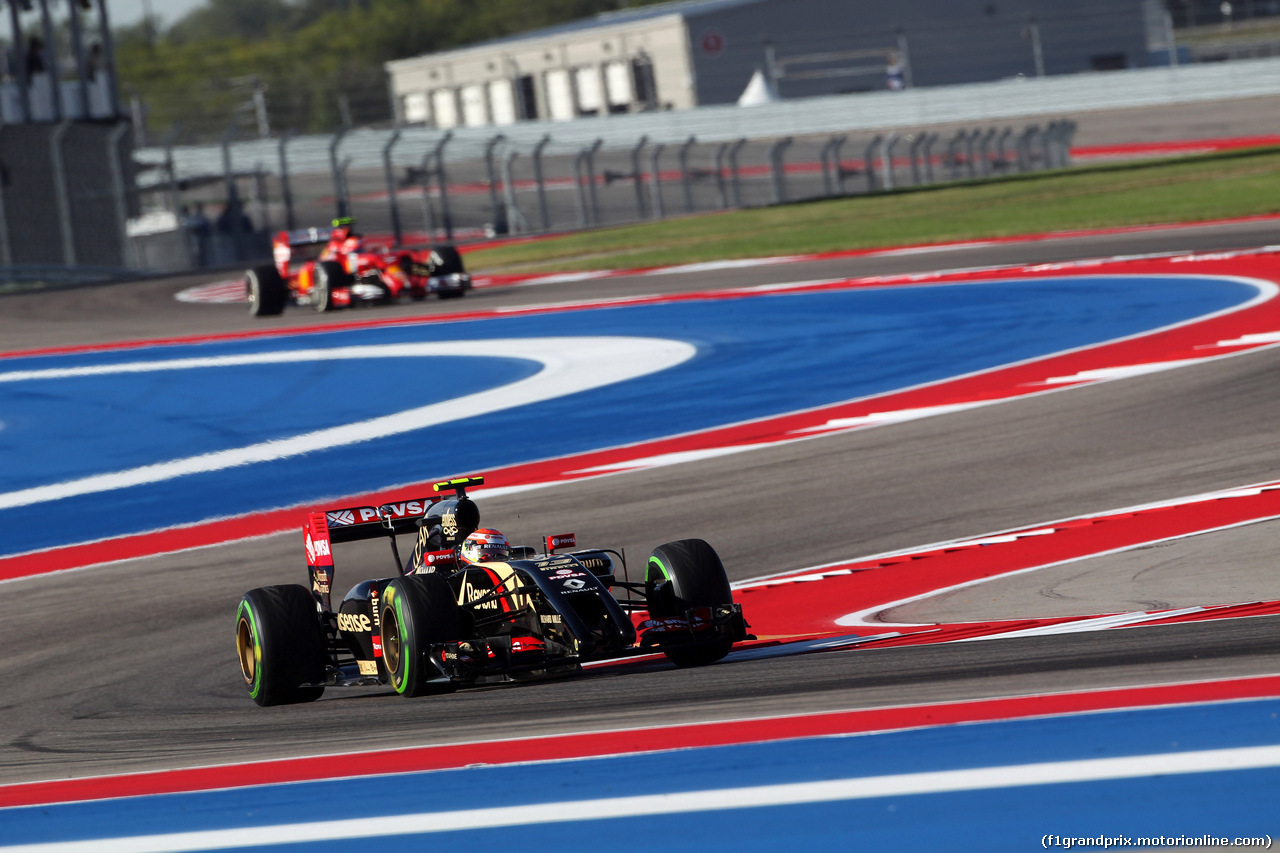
131	666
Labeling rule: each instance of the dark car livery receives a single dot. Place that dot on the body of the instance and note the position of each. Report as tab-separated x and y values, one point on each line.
329	270
441	623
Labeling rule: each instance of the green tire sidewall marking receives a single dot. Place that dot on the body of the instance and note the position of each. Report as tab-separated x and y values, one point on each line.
654	561
246	612
401	684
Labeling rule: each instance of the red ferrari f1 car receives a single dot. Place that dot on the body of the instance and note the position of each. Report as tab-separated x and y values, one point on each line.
339	270
453	614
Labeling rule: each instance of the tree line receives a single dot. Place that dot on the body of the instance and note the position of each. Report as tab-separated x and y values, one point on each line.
315	65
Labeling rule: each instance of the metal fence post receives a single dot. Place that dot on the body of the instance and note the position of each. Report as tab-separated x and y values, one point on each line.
51	57
542	185
118	189
637	178
913	154
580	192
953	155
1024	150
828	188
260	196
64	199
1002	149
837	163
984	148
591	180
428	212
286	191
498	216
516	220
736	183
970	155
6	250
778	168
234	208
339	183
886	158
722	198
442	181
686	181
392	197
1053	144
869	158
655	181
228	176
20	60
1030	140
929	140
170	175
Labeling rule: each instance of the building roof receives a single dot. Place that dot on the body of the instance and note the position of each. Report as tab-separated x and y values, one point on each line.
621	17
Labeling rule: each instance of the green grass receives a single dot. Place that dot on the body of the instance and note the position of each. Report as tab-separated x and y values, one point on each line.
1220	186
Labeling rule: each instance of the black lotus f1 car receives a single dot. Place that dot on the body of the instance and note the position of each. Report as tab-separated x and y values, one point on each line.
441	622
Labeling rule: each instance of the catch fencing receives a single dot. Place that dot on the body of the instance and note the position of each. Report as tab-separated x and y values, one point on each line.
216	205
448	193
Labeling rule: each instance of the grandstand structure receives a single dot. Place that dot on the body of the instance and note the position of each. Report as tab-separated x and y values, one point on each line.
680	55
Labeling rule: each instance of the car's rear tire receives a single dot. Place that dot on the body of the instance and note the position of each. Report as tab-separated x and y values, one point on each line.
683	576
281	645
445	260
328	276
266	290
417	610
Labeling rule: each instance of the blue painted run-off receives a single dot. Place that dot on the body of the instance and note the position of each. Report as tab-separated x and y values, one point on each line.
758	356
1229	803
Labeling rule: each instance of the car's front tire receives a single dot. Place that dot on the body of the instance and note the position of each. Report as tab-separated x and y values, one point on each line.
417	611
683	576
328	276
266	290
281	645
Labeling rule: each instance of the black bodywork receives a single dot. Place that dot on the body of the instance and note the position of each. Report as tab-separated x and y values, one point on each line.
538	613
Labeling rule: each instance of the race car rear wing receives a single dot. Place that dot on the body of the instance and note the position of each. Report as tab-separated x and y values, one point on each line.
366	522
454	515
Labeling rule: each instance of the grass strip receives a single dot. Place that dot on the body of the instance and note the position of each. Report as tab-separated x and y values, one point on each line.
1186	189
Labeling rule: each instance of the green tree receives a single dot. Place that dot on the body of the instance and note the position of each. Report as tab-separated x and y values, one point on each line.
308	53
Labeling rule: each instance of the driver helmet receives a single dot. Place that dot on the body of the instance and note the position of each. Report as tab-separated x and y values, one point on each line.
344	228
485	545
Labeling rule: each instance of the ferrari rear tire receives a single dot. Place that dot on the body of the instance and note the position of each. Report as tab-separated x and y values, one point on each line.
445	260
281	645
417	611
266	290
328	275
683	576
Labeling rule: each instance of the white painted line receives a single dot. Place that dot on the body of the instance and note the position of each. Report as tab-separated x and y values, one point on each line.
664	459
1122	372
715	266
1097	623
1256	339
897	416
569	365
686	802
860	618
